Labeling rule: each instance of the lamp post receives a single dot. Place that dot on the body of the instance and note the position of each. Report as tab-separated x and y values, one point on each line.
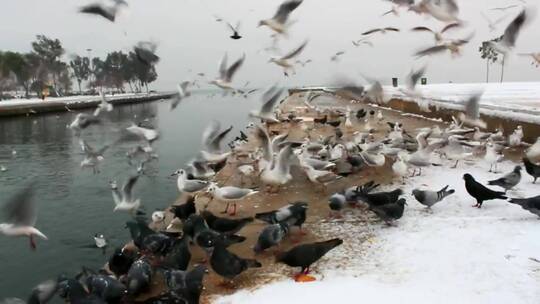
89	51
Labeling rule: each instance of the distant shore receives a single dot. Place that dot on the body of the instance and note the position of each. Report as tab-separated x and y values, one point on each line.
18	107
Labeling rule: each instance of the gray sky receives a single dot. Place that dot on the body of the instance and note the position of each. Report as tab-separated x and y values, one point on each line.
190	38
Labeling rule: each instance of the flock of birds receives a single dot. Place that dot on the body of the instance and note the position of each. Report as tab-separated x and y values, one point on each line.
266	158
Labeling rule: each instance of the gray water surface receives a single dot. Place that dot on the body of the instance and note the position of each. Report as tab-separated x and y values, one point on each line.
74	204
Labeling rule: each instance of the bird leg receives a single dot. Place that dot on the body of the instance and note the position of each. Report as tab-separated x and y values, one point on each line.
455	165
234	210
419	171
490	167
33	245
413	173
226	209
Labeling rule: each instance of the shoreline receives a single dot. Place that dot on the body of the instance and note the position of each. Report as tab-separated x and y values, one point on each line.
22	107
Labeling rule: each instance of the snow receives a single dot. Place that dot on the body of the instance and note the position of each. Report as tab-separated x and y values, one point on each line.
451	254
513	100
66	100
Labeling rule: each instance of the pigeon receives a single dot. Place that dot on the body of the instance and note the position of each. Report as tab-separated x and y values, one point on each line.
178	256
228	264
294	214
225	225
480	192
235	35
271	236
74	292
379	198
120	261
306	254
124	200
429	198
531	204
139	277
226	74
187	285
531	168
337	201
138	230
100	240
278	22
21	216
185	210
106	288
390	212
43	292
157	244
508	181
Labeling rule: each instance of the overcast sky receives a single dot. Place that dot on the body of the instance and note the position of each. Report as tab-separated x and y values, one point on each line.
189	38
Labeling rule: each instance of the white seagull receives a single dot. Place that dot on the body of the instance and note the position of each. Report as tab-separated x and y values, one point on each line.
124	200
224	81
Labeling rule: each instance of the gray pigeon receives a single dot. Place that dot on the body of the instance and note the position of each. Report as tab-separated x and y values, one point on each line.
508	181
271	236
390	212
429	198
337	201
531	204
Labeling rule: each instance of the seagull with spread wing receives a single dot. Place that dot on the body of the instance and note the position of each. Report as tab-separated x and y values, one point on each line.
284	60
124	200
224	81
21	216
383	30
278	23
438	34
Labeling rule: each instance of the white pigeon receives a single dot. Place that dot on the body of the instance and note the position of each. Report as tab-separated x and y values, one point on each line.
20	212
100	241
124	200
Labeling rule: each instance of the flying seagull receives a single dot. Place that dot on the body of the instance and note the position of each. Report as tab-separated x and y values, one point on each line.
224	81
106	11
511	34
438	35
284	60
380	30
472	111
124	200
278	23
453	46
21	216
182	93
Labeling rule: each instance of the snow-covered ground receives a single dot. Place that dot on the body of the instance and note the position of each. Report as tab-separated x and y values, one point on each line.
451	254
516	100
67	100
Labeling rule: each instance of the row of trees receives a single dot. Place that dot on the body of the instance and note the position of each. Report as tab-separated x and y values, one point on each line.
43	70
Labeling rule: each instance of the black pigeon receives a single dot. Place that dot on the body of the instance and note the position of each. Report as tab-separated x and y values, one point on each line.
531	168
225	225
185	210
379	198
139	230
106	288
390	212
334	123
321	120
43	292
206	238
186	285
73	291
235	35
509	180
228	264
531	204
306	254
294	214
361	114
139	277
179	255
479	191
157	244
120	261
108	13
271	236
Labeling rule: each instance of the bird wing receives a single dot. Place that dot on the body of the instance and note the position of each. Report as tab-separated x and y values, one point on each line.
223	66
268	106
20	208
283	163
264	139
431	50
451	26
414	76
211	131
472	106
98	9
296	51
422	29
234	67
215	143
512	31
127	190
392	29
371	32
86	148
283	11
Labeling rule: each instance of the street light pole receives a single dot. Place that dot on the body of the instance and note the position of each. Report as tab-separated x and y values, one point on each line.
89	50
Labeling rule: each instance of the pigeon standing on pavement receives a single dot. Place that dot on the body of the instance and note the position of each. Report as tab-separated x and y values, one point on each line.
379	198
294	214
480	192
531	168
228	264
429	198
271	236
531	204
225	225
306	254
390	212
508	181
